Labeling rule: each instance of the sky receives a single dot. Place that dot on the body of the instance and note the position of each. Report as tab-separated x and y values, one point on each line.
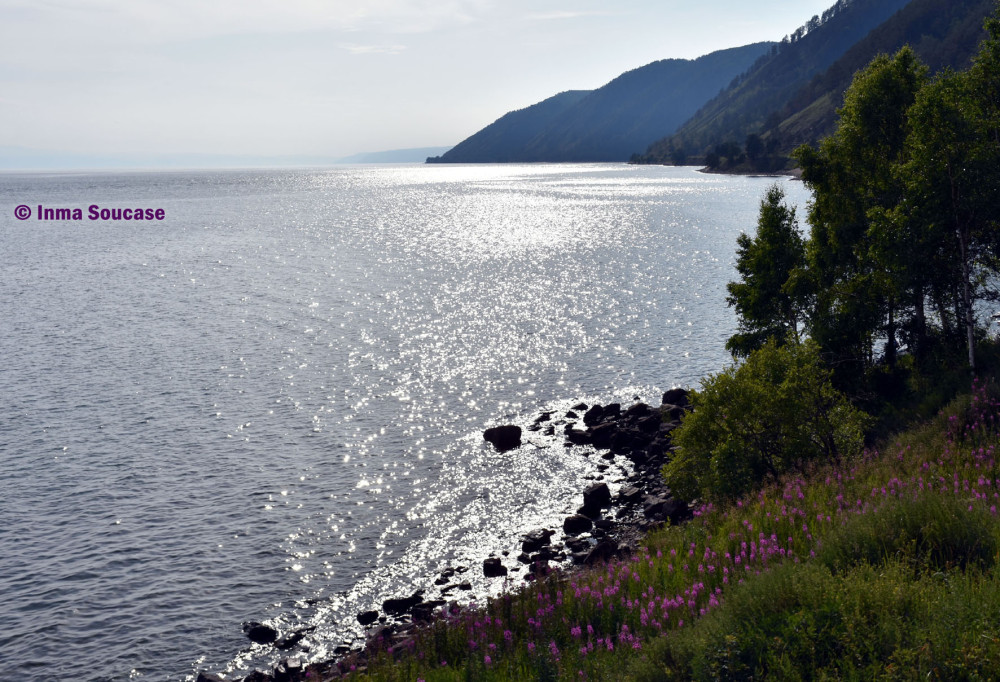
329	78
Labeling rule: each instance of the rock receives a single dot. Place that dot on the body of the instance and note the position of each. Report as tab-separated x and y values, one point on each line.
209	677
466	586
258	676
290	640
494	568
597	496
577	544
638	410
624	441
676	396
602	434
593	415
524	558
366	618
572	415
576	524
259	633
579	407
578	437
602	551
289	670
505	437
667	508
629	495
650	424
544	417
536	539
400	605
611	412
672	412
604	524
549	431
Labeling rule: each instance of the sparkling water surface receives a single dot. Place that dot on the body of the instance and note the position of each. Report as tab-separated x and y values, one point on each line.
270	405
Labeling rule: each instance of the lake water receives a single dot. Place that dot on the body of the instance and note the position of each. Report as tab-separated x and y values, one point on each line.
270	405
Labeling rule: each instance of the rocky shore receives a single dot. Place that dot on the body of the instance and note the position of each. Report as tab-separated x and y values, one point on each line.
605	526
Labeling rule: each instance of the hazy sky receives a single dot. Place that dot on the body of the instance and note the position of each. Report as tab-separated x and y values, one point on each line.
329	77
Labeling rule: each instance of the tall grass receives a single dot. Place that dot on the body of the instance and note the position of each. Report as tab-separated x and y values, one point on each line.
883	567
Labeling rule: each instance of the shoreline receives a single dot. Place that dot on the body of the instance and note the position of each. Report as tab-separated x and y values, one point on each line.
606	526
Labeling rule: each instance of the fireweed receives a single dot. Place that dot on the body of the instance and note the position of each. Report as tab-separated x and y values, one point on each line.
932	499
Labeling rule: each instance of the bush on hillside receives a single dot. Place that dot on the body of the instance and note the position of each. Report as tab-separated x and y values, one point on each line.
774	413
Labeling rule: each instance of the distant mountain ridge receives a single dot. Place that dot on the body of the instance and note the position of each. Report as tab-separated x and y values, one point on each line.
611	122
791	97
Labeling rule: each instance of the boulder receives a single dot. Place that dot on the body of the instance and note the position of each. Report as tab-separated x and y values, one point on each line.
209	677
536	539
597	496
629	495
593	415
576	524
289	670
578	437
676	396
400	605
259	633
505	437
602	551
293	638
579	407
367	617
649	424
638	410
494	568
601	435
612	411
258	676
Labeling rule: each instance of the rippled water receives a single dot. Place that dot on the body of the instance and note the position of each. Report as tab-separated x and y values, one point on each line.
270	405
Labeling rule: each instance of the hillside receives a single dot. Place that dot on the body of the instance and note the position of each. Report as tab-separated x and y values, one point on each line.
610	123
944	35
774	80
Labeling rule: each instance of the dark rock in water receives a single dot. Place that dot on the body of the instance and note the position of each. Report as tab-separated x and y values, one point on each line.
597	496
289	670
676	396
400	605
638	410
259	633
466	586
612	411
577	545
290	640
549	431
524	558
625	440
258	676
578	437
629	495
367	617
604	524
576	524
572	415
601	435
579	407
494	568
650	424
544	417
505	437
209	677
590	512
672	412
593	415
536	539
602	551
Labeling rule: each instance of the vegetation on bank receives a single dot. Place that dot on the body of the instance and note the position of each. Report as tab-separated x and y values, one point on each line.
821	547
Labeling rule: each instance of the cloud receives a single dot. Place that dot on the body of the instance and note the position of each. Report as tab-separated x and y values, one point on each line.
373	49
560	15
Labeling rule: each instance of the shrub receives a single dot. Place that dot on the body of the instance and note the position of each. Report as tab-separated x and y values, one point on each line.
752	422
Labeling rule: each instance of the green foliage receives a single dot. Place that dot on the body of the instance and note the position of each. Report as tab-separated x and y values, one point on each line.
752	422
871	623
768	299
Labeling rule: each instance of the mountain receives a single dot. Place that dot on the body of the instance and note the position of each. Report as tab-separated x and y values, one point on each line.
414	155
791	96
610	123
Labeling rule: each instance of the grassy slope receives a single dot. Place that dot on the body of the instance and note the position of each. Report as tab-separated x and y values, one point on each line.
877	569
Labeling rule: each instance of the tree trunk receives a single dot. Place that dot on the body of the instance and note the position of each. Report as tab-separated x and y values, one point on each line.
967	298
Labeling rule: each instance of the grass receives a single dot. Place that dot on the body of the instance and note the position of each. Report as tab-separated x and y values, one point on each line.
879	568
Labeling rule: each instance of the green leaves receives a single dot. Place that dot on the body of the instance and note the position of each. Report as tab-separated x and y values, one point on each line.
772	414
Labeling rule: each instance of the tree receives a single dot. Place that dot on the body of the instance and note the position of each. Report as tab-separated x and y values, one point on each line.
858	298
754	147
769	299
953	173
753	422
